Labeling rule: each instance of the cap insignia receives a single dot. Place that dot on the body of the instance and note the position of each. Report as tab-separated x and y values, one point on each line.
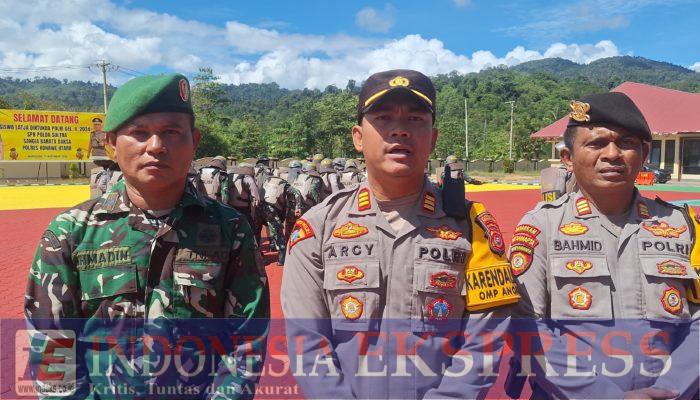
399	81
184	90
579	111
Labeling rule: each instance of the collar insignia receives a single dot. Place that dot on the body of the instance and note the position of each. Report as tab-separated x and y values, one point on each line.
579	111
643	210
350	230
363	200
583	207
428	203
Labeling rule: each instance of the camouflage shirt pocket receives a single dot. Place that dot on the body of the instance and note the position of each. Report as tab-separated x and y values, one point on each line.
110	292
195	294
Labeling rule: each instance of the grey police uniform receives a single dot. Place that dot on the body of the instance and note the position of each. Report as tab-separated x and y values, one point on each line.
629	277
349	276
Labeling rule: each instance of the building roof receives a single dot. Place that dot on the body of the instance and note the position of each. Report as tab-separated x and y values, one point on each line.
667	111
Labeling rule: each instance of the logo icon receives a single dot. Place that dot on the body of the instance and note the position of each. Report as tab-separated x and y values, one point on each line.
350	230
443	280
579	111
350	274
439	309
351	308
579	266
573	229
580	298
444	232
671	300
399	81
663	229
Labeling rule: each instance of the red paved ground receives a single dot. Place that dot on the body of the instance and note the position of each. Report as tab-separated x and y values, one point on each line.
20	231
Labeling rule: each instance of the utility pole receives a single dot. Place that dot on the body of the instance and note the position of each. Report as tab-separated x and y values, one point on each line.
103	65
466	131
510	145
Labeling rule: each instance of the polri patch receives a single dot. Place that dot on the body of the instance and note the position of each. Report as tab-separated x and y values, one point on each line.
439	309
301	231
520	262
351	308
671	300
580	298
492	231
350	230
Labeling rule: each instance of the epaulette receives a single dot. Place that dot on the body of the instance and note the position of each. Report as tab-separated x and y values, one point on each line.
665	203
552	204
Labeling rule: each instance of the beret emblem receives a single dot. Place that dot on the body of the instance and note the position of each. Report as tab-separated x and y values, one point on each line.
579	111
184	90
399	81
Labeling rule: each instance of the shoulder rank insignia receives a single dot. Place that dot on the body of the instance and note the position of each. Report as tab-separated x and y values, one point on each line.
573	229
580	298
579	111
671	300
583	207
428	204
643	210
444	232
350	230
579	266
301	231
492	231
363	200
438	309
111	201
351	308
350	274
670	267
663	229
443	280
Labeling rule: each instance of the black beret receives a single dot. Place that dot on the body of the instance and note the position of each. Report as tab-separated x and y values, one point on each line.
613	108
381	83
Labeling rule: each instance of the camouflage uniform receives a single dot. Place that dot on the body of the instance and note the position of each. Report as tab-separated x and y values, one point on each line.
106	262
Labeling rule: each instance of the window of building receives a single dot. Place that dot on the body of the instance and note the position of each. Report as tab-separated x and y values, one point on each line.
691	156
655	154
670	155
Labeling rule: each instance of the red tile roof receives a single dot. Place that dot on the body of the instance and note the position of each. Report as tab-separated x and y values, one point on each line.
667	111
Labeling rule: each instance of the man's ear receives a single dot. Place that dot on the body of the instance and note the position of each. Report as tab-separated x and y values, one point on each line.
357	137
566	158
434	142
196	137
645	151
112	142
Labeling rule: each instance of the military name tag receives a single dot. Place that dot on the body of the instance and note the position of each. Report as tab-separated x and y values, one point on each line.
102	258
202	255
490	286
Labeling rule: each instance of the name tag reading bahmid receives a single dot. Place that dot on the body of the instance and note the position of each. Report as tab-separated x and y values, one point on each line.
490	286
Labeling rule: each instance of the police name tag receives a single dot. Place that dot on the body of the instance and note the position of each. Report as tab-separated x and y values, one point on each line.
490	286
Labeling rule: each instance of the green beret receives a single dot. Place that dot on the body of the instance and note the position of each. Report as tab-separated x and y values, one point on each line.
148	94
609	108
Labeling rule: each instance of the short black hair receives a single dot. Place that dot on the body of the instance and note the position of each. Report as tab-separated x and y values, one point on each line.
569	137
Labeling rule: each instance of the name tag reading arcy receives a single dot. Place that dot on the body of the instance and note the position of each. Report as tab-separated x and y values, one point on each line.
490	286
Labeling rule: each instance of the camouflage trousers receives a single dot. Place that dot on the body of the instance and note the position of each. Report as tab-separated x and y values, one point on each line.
275	229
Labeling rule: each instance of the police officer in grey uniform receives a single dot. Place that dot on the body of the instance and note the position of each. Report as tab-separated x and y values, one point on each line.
382	281
610	268
557	181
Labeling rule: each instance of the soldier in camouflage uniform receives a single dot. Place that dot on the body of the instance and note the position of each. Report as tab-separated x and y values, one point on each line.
309	185
293	198
134	265
274	208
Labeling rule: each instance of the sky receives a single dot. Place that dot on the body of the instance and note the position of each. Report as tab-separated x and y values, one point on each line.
313	44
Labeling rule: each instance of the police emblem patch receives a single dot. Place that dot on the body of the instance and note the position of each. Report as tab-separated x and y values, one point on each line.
583	207
579	266
443	280
301	231
444	232
350	230
579	111
351	308
350	274
492	232
670	267
399	81
439	309
573	229
580	298
671	300
663	229
363	200
520	262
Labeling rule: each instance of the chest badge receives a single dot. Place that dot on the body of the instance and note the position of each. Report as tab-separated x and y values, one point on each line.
663	229
670	267
350	230
579	266
444	232
443	280
350	274
573	229
580	298
351	308
671	300
439	309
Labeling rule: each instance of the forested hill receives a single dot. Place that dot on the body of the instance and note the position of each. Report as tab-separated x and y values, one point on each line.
251	119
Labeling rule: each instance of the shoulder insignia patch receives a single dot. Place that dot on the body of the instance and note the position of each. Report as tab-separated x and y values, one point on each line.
579	266
443	280
363	200
580	298
573	229
52	240
351	308
428	204
671	300
350	274
525	240
111	201
670	267
350	230
529	229
492	231
438	309
301	231
444	232
643	210
520	261
583	207
663	229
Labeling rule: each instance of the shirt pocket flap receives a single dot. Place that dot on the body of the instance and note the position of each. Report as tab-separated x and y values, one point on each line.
673	267
435	279
107	282
352	276
200	275
578	266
